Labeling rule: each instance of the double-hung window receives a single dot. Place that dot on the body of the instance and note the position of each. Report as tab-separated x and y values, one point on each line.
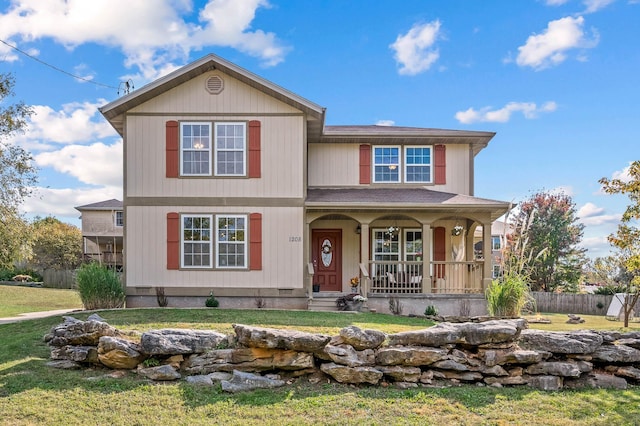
231	241
195	149
119	218
393	164
230	149
495	242
196	241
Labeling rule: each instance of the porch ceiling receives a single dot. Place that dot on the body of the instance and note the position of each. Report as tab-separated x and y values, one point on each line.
395	199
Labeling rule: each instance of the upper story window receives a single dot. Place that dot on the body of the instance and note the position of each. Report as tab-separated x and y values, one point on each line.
391	164
195	149
119	219
231	148
496	243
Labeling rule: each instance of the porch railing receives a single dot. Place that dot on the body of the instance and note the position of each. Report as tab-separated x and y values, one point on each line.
408	277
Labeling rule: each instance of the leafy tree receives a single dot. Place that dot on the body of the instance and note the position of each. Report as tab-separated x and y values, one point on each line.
55	245
627	237
547	234
17	175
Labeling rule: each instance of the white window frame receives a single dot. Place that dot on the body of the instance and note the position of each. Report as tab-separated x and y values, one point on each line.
408	253
208	243
118	214
245	243
496	270
495	238
392	166
195	149
244	148
407	165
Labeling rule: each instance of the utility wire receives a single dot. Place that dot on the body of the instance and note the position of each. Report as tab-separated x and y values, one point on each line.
56	68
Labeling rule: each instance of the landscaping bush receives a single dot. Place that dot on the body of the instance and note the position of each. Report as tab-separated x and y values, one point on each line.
211	301
99	287
611	289
508	295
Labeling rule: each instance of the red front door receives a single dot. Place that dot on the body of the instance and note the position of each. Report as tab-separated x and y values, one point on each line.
326	253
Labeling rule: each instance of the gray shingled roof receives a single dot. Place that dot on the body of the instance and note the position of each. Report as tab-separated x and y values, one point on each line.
112	204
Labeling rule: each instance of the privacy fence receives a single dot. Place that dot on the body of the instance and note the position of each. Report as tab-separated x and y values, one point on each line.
567	303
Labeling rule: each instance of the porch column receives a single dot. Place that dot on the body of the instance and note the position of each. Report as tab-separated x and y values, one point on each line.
365	252
426	258
486	252
307	256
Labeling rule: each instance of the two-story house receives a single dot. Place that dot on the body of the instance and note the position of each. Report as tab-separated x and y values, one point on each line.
235	185
102	232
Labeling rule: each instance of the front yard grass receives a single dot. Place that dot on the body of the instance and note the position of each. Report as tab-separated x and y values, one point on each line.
31	393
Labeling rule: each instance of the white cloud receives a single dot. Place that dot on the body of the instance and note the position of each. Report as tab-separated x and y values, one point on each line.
385	123
415	51
529	110
592	215
555	2
551	46
595	5
152	34
624	175
589	210
96	164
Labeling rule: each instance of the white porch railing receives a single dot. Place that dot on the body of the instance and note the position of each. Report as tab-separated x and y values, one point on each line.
408	277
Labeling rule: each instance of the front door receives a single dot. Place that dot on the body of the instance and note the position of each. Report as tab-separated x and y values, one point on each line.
326	253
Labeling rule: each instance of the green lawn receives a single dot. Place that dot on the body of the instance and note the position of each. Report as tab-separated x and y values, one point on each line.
31	393
16	300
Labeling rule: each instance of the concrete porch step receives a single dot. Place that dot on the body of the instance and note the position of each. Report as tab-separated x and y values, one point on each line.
326	302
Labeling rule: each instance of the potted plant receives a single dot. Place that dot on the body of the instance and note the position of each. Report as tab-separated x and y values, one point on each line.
354	284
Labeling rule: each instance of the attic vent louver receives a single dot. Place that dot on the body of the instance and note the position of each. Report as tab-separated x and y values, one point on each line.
214	84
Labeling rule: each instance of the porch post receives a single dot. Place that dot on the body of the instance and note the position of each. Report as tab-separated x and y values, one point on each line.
426	258
487	270
365	253
307	255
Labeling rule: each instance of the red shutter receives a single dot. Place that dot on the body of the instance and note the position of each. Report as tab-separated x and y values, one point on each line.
172	149
173	241
440	161
365	164
255	241
254	149
439	250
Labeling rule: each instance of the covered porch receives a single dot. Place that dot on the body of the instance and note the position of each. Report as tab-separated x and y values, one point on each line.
408	249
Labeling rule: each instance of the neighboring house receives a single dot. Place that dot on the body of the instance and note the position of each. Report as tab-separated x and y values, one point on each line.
235	185
499	232
102	232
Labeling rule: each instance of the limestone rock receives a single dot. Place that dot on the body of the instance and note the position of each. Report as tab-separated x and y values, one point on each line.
64	364
119	353
401	374
412	356
247	359
467	376
509	380
631	342
79	333
160	373
495	331
347	355
496	370
344	374
362	339
617	354
180	341
242	382
597	380
628	371
546	383
448	364
75	353
502	357
259	337
577	342
555	368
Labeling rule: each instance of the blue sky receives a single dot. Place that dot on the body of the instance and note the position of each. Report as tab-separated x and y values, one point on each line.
557	80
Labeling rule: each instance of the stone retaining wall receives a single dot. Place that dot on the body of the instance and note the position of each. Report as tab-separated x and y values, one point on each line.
495	353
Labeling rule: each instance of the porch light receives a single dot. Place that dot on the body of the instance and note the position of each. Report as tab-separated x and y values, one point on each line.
358	229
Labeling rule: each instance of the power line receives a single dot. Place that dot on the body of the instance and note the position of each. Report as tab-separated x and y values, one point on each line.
58	69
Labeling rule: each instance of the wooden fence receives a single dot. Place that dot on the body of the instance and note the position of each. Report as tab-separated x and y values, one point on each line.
52	278
568	303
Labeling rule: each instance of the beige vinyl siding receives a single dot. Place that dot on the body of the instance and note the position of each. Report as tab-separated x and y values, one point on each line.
100	223
192	97
282	250
338	165
282	148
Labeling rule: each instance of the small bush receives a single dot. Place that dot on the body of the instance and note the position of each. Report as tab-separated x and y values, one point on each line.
508	295
8	274
611	289
211	301
431	311
99	287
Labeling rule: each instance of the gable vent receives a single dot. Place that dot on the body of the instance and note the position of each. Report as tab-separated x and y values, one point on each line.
214	84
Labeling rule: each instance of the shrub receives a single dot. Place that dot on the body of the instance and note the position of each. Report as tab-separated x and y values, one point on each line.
611	289
211	301
431	311
508	295
99	287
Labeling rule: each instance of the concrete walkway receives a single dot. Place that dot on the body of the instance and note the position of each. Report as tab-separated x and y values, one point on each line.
35	315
